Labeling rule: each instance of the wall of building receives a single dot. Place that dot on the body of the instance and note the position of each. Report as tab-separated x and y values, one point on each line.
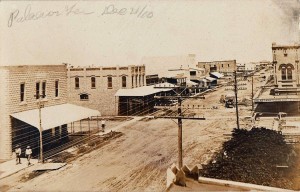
11	78
286	55
226	67
102	97
5	134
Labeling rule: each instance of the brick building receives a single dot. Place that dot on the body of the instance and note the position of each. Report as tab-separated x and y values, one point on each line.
283	91
286	68
20	88
95	87
226	67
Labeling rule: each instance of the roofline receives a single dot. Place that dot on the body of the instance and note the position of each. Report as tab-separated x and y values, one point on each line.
16	66
216	61
285	47
100	66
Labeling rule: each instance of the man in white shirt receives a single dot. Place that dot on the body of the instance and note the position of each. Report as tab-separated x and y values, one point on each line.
28	153
18	152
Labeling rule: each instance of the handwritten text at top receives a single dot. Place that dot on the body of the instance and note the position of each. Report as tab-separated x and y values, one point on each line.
27	14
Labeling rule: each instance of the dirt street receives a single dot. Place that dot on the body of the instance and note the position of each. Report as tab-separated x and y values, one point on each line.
138	160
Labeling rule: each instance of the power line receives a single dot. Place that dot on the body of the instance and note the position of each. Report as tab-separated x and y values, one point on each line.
179	118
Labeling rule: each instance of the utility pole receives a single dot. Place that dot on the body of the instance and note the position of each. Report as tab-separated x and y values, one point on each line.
179	117
40	106
236	100
180	159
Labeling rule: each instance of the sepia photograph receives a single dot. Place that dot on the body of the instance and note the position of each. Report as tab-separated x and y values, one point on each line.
149	95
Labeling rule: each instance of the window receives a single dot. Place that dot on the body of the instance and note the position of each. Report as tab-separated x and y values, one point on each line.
22	92
37	90
84	96
136	81
192	73
284	53
44	89
283	73
93	82
222	65
109	82
228	65
132	81
289	72
76	82
56	88
286	71
124	81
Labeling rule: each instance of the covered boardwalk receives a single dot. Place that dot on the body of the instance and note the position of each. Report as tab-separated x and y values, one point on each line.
269	103
140	100
52	121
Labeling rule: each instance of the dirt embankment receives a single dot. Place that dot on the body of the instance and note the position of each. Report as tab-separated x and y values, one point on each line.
259	156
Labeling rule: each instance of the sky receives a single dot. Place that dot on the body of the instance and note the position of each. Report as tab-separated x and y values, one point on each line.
123	32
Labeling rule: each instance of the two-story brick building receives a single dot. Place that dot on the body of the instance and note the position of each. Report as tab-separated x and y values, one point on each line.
95	87
20	89
286	69
226	67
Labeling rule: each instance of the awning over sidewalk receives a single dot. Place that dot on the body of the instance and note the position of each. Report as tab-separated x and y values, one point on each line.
140	91
56	115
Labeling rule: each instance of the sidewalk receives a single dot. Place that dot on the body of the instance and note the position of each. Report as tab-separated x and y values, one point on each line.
8	168
126	123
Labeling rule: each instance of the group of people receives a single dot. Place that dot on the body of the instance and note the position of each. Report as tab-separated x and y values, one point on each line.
28	153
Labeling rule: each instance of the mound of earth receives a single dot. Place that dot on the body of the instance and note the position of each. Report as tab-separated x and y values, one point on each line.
259	156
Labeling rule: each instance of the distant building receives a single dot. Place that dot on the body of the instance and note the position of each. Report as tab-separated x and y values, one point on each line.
265	64
189	73
140	100
20	91
226	67
250	67
240	67
95	87
152	79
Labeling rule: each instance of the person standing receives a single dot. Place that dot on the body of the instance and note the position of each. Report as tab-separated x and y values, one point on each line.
103	125
28	153
18	152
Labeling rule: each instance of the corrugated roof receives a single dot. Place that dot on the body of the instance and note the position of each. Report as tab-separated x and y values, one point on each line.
210	79
217	74
56	115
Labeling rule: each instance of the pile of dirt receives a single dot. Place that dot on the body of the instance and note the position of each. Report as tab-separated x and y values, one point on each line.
27	177
259	156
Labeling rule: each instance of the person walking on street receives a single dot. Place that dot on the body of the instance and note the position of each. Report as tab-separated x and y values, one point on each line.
28	153
103	125
18	152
